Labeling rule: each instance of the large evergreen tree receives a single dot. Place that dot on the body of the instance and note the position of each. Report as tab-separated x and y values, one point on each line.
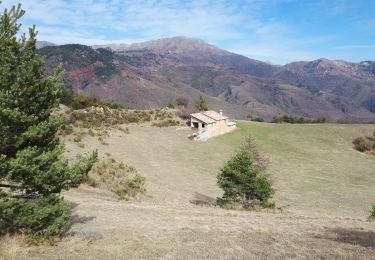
32	172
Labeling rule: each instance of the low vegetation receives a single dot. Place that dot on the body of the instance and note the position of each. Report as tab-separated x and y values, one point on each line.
372	214
365	143
166	123
120	178
243	179
297	120
105	117
78	101
361	144
201	104
250	117
257	119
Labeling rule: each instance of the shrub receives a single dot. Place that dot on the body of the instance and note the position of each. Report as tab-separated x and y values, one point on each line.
166	123
66	130
257	119
297	120
115	105
361	144
78	138
162	114
171	106
102	141
103	117
120	178
372	213
182	102
67	96
243	182
183	115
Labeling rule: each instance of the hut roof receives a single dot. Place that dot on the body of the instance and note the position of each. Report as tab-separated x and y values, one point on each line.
209	117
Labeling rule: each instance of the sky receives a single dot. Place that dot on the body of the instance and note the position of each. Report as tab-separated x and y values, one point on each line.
278	31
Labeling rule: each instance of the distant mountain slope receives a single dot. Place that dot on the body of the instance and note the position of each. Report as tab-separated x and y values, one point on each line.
154	73
42	44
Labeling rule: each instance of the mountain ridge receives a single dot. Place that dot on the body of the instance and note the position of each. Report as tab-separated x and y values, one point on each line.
154	73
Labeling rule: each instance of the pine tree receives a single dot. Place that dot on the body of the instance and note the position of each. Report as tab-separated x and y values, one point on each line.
243	182
32	172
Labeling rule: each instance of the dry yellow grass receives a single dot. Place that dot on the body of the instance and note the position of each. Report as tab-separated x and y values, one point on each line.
306	163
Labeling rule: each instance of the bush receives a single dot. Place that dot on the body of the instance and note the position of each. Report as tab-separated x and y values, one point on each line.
243	182
119	178
361	144
115	105
297	120
67	96
96	118
166	123
182	102
372	213
171	106
257	119
66	130
183	115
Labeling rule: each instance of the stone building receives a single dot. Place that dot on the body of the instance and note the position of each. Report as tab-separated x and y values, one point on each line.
209	124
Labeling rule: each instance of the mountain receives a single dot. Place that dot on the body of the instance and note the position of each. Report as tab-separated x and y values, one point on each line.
42	44
154	73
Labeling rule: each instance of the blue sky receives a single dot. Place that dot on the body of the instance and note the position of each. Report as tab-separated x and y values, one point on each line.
279	31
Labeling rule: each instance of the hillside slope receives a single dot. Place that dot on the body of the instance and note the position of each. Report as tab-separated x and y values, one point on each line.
324	186
154	73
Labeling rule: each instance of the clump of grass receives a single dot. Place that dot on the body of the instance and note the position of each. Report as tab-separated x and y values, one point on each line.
120	178
102	141
124	130
91	132
162	114
77	138
372	214
66	130
362	144
166	123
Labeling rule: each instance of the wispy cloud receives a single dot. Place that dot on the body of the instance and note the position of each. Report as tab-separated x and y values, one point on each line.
357	46
256	28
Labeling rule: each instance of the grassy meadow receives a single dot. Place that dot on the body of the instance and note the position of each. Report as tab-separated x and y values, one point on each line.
313	166
324	186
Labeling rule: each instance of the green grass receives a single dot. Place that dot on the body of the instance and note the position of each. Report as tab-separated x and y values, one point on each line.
314	167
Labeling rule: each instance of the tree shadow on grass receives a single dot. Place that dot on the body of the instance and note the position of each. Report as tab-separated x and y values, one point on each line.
203	200
76	219
351	236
